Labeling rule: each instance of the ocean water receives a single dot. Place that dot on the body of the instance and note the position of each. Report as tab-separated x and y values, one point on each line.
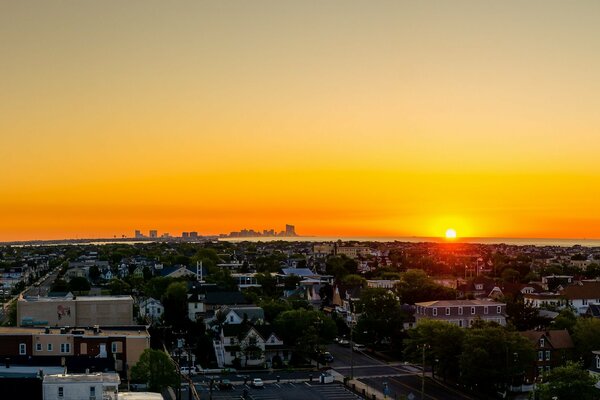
413	239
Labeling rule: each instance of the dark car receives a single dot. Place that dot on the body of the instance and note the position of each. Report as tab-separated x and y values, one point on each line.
325	357
225	384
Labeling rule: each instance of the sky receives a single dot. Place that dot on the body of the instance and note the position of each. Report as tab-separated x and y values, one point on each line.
351	118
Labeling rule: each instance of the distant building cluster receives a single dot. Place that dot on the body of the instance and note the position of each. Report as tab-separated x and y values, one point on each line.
290	231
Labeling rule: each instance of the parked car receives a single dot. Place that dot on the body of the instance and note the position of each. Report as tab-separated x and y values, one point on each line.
358	347
225	384
325	357
344	342
188	371
257	382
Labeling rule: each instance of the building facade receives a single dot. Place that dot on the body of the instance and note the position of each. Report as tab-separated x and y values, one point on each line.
462	312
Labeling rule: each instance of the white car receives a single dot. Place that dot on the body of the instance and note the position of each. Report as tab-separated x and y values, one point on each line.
257	382
188	371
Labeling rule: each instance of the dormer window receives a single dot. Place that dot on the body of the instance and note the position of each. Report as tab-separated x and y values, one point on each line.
542	342
597	362
479	286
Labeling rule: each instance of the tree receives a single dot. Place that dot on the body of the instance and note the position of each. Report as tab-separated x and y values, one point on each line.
523	315
566	319
304	330
94	273
79	284
250	349
445	343
569	382
415	286
341	266
175	304
510	275
118	286
354	280
156	369
511	354
380	316
59	285
586	335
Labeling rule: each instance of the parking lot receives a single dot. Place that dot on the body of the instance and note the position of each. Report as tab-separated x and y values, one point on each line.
282	391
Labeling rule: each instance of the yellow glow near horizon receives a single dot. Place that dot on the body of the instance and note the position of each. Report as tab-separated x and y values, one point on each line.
392	118
450	234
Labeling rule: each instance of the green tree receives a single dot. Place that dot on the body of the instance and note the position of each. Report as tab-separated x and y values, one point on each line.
59	285
79	284
94	273
380	316
586	335
340	266
304	330
354	280
569	382
444	345
494	357
416	286
118	286
156	369
175	304
510	275
566	319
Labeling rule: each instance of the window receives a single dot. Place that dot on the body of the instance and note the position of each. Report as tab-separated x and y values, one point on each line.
49	346
460	311
61	392
92	392
542	342
434	311
22	348
547	355
65	347
584	302
233	353
499	309
540	355
472	310
114	347
597	362
485	309
38	347
460	323
447	310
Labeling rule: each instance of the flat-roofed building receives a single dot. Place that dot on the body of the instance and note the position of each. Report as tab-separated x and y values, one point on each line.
462	312
120	347
75	311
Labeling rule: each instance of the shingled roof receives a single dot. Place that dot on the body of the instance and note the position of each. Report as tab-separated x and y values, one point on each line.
557	339
582	290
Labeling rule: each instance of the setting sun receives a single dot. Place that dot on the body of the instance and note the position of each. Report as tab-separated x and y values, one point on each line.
450	234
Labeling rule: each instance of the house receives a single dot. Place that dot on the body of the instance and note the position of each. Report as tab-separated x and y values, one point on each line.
479	287
249	346
543	300
594	368
151	309
237	314
462	312
553	348
581	294
204	300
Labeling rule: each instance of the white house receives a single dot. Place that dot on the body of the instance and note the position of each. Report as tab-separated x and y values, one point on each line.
151	309
251	345
581	294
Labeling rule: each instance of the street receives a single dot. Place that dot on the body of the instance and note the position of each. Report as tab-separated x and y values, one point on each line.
401	378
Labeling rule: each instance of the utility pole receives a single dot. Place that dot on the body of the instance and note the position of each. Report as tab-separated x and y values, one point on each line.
424	346
351	346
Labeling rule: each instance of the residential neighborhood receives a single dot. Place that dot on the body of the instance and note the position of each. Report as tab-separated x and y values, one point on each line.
271	306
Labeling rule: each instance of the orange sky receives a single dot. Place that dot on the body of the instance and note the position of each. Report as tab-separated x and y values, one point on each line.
341	117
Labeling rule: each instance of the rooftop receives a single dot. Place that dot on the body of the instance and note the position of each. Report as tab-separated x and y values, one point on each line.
84	331
454	303
95	377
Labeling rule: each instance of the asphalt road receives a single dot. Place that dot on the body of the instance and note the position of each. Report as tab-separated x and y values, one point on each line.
42	288
281	391
401	378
